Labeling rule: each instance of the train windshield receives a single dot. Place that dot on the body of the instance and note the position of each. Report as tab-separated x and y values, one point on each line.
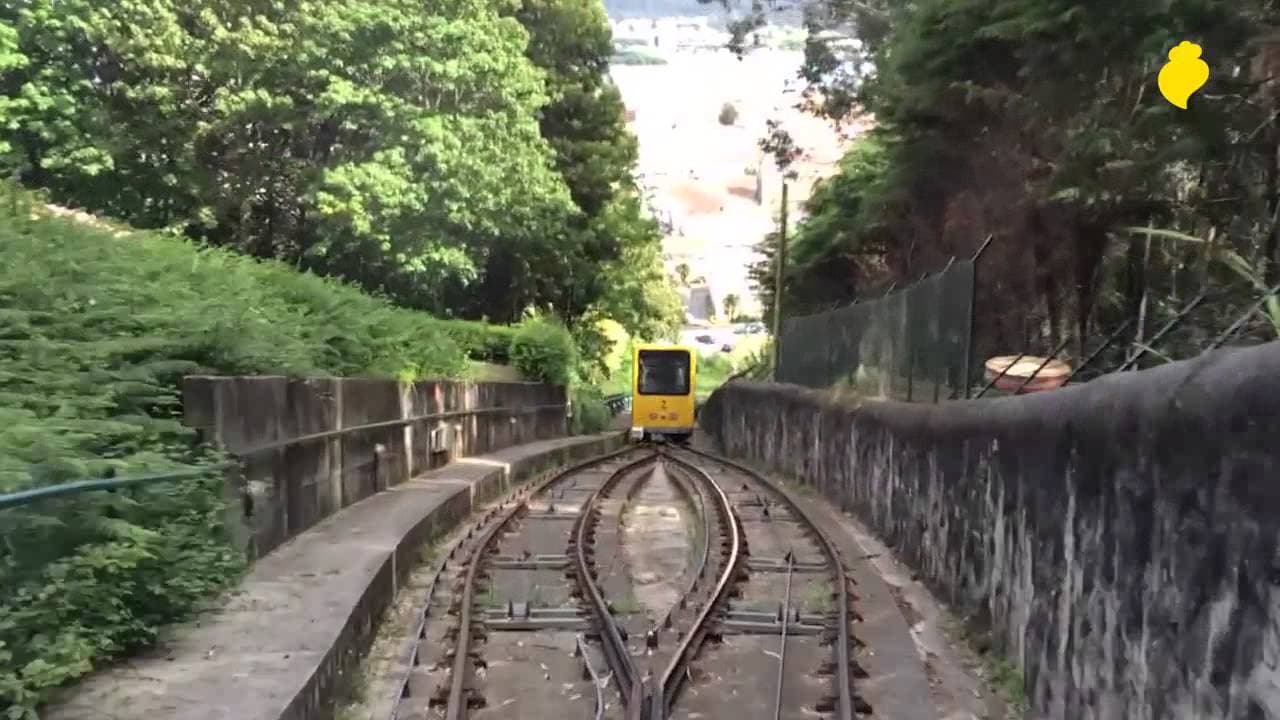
664	372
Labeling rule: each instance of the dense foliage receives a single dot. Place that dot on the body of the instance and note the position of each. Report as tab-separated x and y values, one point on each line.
466	157
590	414
481	341
543	351
98	326
1037	122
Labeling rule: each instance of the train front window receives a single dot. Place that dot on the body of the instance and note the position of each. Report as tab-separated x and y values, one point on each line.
664	372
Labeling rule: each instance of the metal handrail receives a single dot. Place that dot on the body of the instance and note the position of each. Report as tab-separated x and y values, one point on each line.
31	495
401	422
617	403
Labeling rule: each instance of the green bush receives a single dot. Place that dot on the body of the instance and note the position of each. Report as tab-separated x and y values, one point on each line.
593	349
544	351
480	341
590	414
97	327
713	370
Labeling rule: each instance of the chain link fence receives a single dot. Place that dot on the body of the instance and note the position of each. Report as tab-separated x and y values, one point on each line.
918	343
911	344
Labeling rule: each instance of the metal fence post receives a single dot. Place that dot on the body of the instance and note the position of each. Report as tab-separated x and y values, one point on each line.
1182	314
779	281
973	294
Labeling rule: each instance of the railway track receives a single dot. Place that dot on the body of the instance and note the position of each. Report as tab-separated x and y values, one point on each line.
711	585
796	606
562	537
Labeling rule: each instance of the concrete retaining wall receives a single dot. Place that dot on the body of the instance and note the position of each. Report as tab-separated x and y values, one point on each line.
288	485
1121	538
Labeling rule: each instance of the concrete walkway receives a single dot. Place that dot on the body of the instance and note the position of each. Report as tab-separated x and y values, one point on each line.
277	647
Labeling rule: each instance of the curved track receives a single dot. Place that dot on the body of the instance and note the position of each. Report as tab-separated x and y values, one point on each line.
773	658
764	529
615	646
677	670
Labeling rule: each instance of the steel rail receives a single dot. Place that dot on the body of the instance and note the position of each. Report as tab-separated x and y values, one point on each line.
782	644
615	648
409	656
673	677
844	699
456	709
595	676
698	499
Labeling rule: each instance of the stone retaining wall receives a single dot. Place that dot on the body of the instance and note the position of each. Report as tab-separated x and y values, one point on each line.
1121	538
287	484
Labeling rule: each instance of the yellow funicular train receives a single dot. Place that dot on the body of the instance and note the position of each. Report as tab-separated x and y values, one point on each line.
662	392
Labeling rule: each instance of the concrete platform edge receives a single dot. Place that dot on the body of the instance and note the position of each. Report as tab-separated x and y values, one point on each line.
316	698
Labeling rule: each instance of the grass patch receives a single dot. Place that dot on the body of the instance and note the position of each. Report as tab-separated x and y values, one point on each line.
1002	675
817	597
802	488
626	605
1008	679
350	693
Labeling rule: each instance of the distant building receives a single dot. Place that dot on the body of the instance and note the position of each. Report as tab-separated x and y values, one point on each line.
700	304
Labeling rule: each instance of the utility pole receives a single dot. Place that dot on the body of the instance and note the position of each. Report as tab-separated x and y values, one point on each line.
781	268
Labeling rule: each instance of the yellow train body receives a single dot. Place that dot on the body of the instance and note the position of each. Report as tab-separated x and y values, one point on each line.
663	381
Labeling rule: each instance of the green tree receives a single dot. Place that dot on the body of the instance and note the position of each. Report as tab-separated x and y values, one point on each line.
613	255
303	132
730	306
1035	122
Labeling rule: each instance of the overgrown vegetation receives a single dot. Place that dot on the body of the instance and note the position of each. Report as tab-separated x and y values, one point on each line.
481	341
543	351
1037	122
97	328
713	371
590	414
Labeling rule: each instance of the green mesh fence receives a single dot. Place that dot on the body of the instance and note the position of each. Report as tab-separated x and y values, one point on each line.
911	344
